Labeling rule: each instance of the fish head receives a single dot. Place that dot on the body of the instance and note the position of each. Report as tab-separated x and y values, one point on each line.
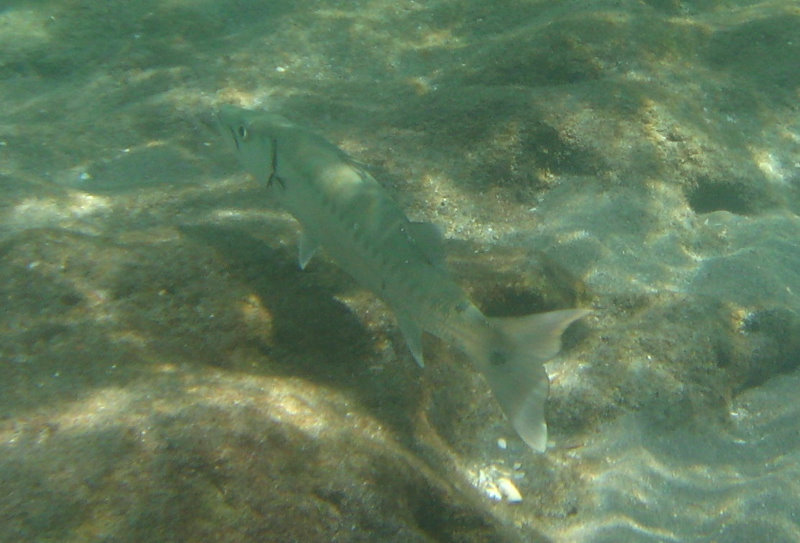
253	135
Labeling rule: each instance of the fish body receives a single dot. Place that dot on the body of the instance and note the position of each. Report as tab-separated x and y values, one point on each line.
343	209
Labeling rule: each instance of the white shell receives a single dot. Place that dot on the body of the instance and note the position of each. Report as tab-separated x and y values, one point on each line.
509	490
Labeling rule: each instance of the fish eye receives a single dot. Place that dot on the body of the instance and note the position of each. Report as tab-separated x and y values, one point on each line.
242	131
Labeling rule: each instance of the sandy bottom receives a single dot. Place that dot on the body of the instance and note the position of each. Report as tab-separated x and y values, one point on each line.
167	373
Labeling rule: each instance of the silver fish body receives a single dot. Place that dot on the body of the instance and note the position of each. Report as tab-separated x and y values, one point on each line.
342	208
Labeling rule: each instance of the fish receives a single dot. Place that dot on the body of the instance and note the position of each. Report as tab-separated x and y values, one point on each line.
342	208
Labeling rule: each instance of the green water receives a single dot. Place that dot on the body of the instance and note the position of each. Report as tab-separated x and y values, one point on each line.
168	374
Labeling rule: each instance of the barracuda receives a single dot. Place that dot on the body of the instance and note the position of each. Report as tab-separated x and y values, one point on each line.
343	209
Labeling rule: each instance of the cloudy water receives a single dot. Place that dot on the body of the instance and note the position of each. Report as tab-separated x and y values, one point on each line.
168	373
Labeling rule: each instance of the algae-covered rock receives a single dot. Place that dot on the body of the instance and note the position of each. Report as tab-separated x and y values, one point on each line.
168	374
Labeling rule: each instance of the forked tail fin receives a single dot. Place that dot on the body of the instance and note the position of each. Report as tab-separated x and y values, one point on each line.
515	371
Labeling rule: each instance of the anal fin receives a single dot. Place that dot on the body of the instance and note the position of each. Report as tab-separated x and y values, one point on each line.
412	332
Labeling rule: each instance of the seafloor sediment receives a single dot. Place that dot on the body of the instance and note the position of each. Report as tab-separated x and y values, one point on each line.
168	374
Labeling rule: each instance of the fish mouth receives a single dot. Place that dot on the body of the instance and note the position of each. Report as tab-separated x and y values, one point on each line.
214	124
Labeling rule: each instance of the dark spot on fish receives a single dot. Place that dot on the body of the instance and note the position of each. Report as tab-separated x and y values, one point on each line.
498	358
273	176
